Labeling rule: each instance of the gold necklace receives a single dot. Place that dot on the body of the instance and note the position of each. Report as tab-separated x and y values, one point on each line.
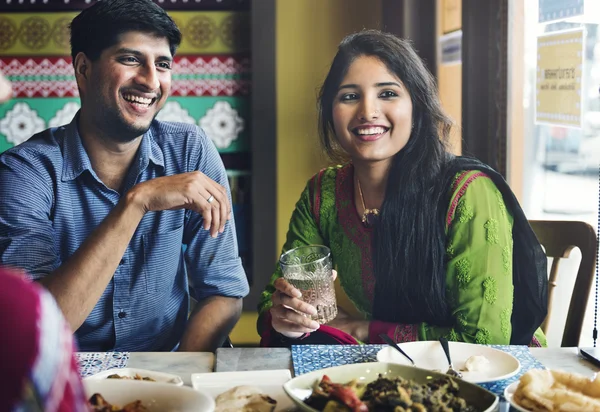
366	212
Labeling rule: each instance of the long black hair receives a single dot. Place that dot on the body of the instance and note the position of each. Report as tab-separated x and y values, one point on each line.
409	241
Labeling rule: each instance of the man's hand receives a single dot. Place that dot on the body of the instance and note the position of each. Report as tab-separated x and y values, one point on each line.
193	190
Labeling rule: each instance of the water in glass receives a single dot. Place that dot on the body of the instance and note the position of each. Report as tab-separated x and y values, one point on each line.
308	269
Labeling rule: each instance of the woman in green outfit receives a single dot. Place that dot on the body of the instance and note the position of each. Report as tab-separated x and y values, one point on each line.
426	244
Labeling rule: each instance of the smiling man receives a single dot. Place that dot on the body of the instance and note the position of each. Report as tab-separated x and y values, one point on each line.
97	210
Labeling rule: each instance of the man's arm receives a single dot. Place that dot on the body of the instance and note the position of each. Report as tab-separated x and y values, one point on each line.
78	284
26	238
216	274
210	324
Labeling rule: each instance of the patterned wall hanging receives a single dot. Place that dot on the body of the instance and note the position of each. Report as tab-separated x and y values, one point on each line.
211	72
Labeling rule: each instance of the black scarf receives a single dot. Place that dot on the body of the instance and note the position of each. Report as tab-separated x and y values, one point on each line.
530	275
530	278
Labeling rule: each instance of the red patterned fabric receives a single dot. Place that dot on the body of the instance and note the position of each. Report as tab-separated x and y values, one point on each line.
398	332
462	191
325	334
406	333
38	371
535	343
348	217
316	195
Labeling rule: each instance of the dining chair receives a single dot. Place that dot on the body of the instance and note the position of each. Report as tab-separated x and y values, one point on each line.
558	239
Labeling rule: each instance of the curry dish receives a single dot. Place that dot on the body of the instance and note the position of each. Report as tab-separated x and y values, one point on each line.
136	377
99	404
388	394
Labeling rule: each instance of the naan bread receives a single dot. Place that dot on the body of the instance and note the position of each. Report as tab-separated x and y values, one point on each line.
557	391
244	398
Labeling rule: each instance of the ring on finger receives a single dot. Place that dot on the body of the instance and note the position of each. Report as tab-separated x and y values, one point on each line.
210	199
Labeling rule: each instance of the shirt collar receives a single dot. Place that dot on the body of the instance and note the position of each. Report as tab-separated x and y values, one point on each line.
76	159
150	151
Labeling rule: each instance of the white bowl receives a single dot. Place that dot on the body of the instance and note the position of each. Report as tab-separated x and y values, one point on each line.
270	382
159	377
430	355
156	397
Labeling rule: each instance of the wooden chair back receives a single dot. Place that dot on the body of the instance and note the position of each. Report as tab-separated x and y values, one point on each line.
558	239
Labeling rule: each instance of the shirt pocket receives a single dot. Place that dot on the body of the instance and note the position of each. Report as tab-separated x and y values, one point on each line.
162	253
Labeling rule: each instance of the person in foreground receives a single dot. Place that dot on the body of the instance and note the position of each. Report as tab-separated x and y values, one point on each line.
5	89
426	244
97	210
38	371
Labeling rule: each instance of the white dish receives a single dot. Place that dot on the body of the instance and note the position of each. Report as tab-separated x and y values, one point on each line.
301	386
269	382
156	397
430	355
159	377
509	393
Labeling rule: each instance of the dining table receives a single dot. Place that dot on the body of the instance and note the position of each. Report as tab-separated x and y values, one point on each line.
237	359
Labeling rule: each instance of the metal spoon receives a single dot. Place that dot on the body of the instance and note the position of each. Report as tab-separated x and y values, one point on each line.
451	371
391	342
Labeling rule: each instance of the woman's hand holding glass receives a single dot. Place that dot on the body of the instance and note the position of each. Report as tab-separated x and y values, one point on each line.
290	315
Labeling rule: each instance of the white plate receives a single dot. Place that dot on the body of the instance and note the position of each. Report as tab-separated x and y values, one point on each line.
156	397
509	393
301	386
270	382
430	355
159	377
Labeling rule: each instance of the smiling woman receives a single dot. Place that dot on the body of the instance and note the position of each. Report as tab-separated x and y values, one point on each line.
426	244
372	121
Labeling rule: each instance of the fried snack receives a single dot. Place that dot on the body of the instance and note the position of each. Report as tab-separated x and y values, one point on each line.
543	390
244	398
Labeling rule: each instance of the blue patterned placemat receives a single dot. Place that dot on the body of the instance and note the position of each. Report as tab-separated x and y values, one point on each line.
308	358
528	362
91	363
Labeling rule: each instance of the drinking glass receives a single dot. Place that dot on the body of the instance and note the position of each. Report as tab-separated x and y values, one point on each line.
308	269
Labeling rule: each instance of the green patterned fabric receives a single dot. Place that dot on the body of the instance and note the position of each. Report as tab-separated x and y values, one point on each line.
479	288
479	253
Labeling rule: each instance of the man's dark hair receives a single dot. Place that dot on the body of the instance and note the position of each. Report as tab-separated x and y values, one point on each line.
99	26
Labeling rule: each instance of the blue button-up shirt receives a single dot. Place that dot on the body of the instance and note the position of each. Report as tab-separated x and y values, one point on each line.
51	200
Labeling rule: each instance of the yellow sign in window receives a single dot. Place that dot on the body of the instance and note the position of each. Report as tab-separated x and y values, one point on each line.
559	78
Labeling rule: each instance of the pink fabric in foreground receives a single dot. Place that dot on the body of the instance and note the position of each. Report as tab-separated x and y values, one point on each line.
38	371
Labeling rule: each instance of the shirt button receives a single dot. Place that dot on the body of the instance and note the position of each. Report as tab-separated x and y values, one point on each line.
122	315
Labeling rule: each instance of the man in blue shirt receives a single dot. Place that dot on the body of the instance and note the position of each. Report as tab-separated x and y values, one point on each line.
97	211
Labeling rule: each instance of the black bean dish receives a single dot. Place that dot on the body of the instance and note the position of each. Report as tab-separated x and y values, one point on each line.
388	394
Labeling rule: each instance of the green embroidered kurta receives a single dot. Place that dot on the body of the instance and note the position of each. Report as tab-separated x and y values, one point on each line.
479	253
